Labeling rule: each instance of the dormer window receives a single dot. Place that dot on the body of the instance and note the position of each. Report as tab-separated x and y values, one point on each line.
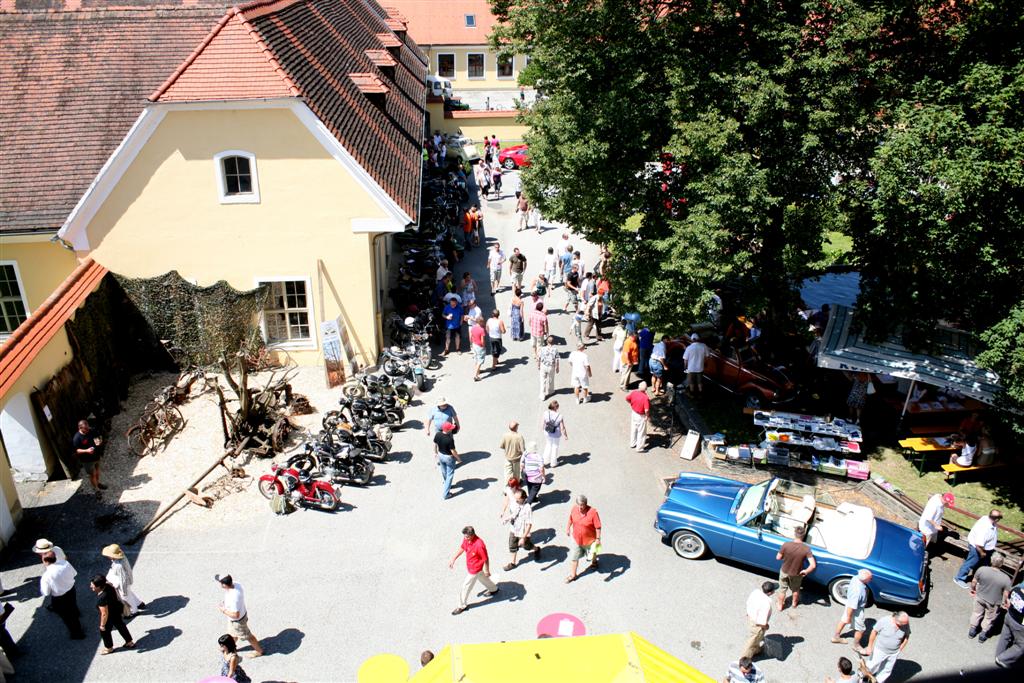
470	21
237	182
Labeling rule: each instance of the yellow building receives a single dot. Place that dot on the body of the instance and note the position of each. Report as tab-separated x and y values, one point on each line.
277	144
454	37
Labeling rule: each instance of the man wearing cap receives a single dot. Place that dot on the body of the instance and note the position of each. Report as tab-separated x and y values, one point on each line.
759	612
58	582
931	517
446	456
233	607
980	544
694	356
478	567
440	414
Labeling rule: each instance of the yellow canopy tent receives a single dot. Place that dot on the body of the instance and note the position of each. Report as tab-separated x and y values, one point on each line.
614	658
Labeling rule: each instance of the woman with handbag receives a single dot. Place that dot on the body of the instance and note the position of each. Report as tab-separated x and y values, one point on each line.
120	577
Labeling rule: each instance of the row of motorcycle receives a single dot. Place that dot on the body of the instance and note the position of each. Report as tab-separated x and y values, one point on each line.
359	432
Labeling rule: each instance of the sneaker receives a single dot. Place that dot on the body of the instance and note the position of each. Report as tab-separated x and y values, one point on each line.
101	487
983	637
972	632
962	584
839	641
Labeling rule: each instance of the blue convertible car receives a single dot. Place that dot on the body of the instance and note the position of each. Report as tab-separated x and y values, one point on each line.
748	523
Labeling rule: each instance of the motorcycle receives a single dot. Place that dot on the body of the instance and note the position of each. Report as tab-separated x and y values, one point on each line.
403	364
375	441
362	386
373	409
300	486
336	460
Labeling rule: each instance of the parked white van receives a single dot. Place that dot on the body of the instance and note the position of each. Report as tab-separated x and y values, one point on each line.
439	87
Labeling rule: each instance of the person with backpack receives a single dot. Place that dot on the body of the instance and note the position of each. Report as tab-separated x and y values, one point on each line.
554	428
533	472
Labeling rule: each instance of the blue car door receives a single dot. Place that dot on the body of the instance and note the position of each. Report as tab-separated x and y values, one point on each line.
754	545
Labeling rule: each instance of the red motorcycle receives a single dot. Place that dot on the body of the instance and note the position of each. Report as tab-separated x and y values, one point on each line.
300	486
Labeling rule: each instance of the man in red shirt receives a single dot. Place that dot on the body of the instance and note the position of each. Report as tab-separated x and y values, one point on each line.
585	529
477	565
641	405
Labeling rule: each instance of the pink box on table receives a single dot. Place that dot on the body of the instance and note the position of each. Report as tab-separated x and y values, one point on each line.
858	469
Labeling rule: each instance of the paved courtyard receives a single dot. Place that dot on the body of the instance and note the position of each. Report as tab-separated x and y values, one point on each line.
327	591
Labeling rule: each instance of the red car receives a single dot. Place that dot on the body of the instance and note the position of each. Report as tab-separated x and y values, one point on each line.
739	371
514	157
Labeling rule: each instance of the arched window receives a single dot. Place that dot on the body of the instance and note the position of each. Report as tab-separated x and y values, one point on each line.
237	182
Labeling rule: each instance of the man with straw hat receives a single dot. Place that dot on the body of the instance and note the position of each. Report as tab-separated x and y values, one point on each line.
120	577
44	546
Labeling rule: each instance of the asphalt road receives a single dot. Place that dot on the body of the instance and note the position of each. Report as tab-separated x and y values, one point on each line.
325	592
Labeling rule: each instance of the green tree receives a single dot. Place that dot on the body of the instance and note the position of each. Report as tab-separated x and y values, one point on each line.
1004	353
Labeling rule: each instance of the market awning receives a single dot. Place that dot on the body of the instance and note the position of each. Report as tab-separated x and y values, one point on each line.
952	369
615	658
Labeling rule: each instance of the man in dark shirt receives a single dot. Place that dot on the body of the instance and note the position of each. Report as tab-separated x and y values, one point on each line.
446	456
88	449
516	267
572	289
793	555
1010	647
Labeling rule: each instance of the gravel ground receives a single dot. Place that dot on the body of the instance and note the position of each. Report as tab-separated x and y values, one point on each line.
327	591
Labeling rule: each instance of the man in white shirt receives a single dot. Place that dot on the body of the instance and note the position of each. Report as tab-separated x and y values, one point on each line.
44	546
759	612
58	582
495	262
980	543
233	607
442	269
580	365
694	356
931	517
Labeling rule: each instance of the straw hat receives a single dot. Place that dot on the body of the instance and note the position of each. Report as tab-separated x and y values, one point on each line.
42	546
113	551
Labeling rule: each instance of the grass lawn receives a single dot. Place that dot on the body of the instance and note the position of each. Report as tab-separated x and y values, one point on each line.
723	412
978	497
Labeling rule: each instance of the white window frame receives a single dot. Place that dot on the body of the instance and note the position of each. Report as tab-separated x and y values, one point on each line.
483	70
310	344
21	291
470	21
222	184
497	67
454	67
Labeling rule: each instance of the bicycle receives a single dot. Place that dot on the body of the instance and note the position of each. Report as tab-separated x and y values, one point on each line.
160	420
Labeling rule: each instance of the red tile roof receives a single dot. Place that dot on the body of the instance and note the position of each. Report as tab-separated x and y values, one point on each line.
21	348
72	85
320	43
232	63
369	84
381	58
443	22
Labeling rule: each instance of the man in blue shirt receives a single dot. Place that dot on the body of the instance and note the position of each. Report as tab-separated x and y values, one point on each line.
645	341
440	414
565	259
452	316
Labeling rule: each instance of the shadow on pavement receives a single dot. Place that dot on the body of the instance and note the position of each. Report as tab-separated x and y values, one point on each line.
612	565
780	647
905	669
475	484
412	424
399	456
505	366
378	480
601	397
542	536
155	638
508	591
473	456
552	497
165	605
576	459
284	643
552	555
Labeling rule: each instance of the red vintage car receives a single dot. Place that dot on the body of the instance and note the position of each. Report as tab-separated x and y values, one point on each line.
514	157
739	371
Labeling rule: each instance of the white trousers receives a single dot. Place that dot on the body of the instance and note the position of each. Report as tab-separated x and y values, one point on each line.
467	586
616	359
551	449
637	430
880	664
547	382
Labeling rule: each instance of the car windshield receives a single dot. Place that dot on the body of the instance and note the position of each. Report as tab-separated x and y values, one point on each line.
750	503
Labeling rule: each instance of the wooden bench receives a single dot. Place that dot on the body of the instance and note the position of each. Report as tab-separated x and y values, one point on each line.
952	470
931	430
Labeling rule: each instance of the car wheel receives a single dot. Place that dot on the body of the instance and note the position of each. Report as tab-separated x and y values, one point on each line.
688	545
837	590
509	164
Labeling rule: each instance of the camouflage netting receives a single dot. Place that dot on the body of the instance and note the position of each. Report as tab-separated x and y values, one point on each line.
202	322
